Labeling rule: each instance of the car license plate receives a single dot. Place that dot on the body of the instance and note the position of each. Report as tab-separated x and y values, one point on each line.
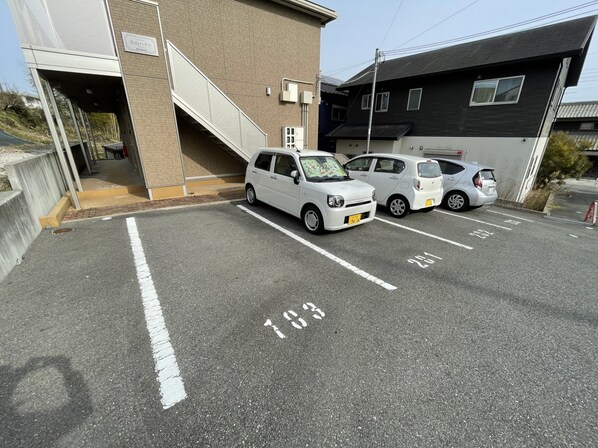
429	202
354	219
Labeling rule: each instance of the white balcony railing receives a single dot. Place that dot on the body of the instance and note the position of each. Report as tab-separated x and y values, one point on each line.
208	105
80	26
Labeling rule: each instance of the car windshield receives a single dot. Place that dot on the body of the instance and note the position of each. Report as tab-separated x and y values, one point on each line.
323	169
428	169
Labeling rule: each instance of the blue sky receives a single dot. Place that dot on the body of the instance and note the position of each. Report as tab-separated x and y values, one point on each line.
363	26
349	42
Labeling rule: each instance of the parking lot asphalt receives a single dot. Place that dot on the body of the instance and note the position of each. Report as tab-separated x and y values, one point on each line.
274	337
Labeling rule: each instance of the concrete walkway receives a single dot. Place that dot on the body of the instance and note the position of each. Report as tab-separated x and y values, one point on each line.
204	197
574	199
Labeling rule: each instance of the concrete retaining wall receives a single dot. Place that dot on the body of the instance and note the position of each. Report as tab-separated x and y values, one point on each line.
37	186
40	180
18	229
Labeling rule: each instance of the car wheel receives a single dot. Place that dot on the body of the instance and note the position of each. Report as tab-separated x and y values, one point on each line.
457	201
312	219
398	206
250	195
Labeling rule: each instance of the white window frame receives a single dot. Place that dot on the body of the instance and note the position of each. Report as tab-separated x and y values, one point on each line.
380	95
366	101
419	101
496	80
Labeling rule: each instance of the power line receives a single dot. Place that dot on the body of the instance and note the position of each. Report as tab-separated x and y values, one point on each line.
392	23
434	26
397	51
495	30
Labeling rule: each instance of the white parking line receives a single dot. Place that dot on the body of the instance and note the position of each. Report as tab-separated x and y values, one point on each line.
172	388
426	234
327	254
511	216
472	219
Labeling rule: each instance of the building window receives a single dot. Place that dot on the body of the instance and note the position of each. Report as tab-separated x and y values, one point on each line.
366	101
414	100
382	101
587	126
339	113
496	91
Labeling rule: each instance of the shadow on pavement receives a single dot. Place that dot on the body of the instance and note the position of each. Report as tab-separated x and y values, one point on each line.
41	402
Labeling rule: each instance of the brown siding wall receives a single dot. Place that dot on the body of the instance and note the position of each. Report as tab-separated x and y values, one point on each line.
203	157
244	46
148	92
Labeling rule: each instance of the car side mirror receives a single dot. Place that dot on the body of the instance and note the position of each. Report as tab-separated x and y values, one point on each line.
295	176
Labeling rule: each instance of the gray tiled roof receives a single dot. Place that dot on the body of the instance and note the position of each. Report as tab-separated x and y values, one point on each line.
591	137
588	109
560	40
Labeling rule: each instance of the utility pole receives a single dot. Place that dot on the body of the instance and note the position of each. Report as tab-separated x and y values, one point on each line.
372	101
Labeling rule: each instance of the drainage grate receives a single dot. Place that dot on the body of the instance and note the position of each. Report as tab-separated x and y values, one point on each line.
63	230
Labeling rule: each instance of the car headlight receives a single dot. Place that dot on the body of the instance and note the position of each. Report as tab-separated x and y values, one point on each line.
335	200
374	195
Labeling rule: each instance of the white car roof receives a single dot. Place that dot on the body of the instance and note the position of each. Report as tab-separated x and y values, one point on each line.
301	152
466	164
394	156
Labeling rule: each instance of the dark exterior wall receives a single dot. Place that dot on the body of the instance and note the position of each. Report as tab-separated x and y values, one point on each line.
326	122
445	109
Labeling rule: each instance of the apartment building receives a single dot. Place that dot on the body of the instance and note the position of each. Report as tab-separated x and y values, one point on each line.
197	85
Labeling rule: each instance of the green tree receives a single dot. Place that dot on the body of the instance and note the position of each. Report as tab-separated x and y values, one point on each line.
563	159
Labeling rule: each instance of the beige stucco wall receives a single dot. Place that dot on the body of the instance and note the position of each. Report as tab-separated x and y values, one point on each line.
149	96
245	46
203	157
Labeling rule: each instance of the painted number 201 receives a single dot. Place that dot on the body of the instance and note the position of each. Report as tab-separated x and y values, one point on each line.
423	261
296	321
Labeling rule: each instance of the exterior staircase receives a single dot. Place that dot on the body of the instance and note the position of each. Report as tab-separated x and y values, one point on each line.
217	116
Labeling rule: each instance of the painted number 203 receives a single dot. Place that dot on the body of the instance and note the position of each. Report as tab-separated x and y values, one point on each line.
424	261
295	320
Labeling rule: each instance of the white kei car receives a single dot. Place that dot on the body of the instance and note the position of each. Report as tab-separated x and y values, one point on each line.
402	182
467	184
311	185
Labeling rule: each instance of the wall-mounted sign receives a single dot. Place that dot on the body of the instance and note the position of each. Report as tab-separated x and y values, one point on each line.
135	43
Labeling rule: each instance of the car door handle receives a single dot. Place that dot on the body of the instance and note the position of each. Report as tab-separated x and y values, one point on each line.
273	177
394	178
254	171
451	178
364	175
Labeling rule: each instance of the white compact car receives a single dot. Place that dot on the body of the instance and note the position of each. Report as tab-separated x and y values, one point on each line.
467	184
402	182
311	185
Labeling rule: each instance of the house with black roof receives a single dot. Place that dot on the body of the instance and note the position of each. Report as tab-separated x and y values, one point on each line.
580	121
492	101
332	112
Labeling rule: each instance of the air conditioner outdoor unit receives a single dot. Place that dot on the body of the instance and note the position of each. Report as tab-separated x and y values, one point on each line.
291	94
292	137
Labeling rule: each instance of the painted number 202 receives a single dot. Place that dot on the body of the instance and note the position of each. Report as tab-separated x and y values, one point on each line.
297	321
483	234
423	261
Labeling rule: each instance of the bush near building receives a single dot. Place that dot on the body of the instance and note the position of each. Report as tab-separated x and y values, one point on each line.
563	159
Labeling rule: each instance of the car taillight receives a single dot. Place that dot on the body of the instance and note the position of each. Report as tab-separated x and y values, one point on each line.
477	181
417	184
